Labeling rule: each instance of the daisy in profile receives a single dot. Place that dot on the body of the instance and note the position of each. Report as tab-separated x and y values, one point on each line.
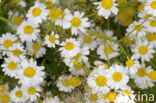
5	98
17	95
118	77
76	22
143	50
19	2
52	40
32	92
108	50
63	84
11	67
37	13
141	78
70	48
107	7
7	41
31	74
151	7
98	80
28	31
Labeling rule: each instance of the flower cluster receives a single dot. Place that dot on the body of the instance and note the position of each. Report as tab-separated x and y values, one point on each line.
105	49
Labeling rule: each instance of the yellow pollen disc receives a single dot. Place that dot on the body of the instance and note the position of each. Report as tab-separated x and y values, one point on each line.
141	72
17	20
17	52
5	98
54	14
12	65
65	83
101	81
28	29
74	81
143	50
117	76
31	90
153	5
36	46
107	4
108	49
93	97
2	88
69	46
153	23
36	12
138	27
19	94
16	1
151	37
76	22
7	43
126	92
87	39
129	63
152	75
52	39
49	3
29	72
111	96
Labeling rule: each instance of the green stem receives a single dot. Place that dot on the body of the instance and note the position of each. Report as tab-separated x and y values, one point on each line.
5	20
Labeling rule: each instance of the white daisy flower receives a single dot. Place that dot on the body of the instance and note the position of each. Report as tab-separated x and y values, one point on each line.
3	88
91	97
151	7
52	40
70	48
5	98
141	77
98	80
109	97
28	31
106	8
108	50
54	99
31	74
32	92
37	13
76	22
11	67
50	3
118	77
142	50
17	95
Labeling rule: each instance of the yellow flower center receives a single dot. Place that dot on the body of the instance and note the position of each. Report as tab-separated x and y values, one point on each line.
52	39
74	81
49	3
5	98
17	52
28	29
138	27
76	22
12	65
36	46
153	5
151	37
54	14
31	90
108	49
87	39
69	46
2	88
152	75
107	4
93	97
17	20
77	65
111	96
101	81
126	92
141	72
65	83
36	12
117	76
16	1
143	50
153	23
7	43
129	63
19	94
29	72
